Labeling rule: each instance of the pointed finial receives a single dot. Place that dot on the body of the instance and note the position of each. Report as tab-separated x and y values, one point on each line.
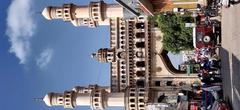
38	99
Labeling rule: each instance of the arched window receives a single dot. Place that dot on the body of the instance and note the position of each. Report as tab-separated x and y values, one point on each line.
95	9
122	33
140	35
132	100
157	83
67	96
59	11
133	90
96	95
140	25
132	94
140	64
169	83
95	14
96	99
140	83
132	105
141	100
140	44
140	73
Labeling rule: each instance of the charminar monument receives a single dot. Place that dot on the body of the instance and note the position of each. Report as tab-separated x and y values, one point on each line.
142	76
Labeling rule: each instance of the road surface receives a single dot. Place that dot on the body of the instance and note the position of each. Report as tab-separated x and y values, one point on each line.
230	55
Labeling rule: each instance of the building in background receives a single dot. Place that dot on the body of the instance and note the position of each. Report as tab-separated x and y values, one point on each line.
151	7
138	7
141	72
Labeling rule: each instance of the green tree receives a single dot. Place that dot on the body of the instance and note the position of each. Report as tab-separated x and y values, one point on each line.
176	37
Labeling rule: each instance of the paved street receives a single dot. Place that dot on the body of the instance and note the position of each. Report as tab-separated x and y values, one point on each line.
230	55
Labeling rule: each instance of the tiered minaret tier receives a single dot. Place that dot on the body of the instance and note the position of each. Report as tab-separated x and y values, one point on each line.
98	98
97	13
104	55
93	96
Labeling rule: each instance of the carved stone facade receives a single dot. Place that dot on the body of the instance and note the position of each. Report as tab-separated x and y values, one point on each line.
140	73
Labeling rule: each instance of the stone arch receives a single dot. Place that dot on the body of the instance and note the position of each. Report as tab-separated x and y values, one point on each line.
168	64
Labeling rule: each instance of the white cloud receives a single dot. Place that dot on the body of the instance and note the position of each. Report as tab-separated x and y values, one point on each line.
44	58
20	28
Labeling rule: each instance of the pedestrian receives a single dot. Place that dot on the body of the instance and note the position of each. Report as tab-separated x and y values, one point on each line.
209	80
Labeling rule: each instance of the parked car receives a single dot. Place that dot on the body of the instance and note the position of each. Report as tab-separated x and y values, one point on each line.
206	33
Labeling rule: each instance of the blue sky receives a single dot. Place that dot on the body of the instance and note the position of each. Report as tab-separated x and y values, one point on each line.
39	56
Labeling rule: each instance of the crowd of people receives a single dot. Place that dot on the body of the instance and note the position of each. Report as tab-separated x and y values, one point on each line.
210	76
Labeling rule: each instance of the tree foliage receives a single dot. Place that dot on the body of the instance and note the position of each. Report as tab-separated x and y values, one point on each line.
176	37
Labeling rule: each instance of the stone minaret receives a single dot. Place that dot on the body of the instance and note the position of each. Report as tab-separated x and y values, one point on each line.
96	13
104	55
96	97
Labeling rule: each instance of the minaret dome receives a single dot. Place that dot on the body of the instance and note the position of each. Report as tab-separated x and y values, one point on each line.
46	13
47	99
